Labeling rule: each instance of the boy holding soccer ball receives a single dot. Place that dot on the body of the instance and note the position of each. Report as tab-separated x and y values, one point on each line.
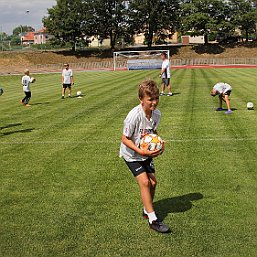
223	90
141	120
25	81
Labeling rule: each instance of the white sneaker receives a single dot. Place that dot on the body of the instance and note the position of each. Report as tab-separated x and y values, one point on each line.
170	94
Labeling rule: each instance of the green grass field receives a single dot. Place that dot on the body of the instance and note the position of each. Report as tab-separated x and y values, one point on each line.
65	192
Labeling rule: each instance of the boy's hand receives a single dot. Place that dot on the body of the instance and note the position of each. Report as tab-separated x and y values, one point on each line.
151	154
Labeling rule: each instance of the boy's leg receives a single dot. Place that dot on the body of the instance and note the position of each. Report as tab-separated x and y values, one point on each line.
153	184
145	191
69	91
28	96
163	88
169	88
227	102
63	91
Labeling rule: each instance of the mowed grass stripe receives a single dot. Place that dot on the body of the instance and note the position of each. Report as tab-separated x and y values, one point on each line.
79	199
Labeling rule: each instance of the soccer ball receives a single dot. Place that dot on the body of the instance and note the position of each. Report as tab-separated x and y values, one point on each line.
32	79
79	93
250	106
1	91
152	142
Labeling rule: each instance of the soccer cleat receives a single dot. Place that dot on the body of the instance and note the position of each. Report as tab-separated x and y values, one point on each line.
161	93
144	215
69	96
62	97
219	109
170	94
228	112
159	227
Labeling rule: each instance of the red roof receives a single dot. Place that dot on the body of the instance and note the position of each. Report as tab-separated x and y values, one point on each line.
29	36
43	30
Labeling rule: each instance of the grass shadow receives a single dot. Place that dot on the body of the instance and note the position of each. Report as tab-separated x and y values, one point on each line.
176	204
17	131
40	103
208	49
10	125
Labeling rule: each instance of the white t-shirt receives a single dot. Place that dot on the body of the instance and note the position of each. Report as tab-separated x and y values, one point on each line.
136	125
25	81
222	87
166	66
67	74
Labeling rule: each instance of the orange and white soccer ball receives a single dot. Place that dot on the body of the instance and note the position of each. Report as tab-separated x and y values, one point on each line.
152	142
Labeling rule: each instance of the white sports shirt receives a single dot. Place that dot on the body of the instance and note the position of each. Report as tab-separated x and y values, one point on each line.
222	87
67	74
136	125
166	66
25	81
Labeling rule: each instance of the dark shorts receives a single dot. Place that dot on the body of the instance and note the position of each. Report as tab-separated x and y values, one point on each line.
228	93
66	85
166	82
138	168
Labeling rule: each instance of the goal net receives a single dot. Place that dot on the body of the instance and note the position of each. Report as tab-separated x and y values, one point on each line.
138	60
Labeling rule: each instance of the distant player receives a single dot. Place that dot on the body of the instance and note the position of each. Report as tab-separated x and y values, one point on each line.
25	81
165	74
223	90
141	120
67	80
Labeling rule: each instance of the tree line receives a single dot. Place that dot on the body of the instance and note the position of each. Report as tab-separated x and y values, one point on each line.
74	21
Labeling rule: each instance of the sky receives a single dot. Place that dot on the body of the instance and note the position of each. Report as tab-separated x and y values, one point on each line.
14	13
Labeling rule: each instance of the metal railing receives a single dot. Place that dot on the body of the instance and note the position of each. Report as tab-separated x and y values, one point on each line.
108	65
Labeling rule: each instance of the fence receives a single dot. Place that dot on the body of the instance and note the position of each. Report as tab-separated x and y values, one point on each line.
108	65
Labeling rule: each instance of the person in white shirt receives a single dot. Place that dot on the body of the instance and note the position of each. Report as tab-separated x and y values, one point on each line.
67	80
141	120
25	81
165	74
223	90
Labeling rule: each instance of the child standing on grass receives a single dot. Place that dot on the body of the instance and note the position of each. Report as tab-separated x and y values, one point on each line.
141	120
223	90
25	81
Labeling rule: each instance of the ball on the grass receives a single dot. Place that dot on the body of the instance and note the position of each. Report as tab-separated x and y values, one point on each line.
79	93
32	79
152	142
250	106
1	91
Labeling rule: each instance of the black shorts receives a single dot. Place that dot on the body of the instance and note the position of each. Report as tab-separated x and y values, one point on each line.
66	85
228	93
166	82
140	167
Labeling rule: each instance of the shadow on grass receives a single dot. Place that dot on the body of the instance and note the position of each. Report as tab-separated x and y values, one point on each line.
40	103
176	204
10	125
17	131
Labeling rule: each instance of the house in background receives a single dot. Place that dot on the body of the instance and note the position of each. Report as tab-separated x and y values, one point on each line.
35	38
41	37
27	38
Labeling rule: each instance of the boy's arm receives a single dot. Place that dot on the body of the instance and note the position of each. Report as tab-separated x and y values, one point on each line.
72	80
129	143
62	79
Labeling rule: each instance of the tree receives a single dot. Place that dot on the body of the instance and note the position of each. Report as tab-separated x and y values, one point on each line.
110	19
22	29
245	15
204	16
151	17
69	21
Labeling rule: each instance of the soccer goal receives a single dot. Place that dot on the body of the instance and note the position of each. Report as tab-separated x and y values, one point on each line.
138	60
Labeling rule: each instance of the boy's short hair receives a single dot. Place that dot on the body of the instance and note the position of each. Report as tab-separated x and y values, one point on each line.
26	71
164	54
148	88
213	92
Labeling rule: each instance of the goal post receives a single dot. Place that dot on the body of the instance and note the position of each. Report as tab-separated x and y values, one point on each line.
138	60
